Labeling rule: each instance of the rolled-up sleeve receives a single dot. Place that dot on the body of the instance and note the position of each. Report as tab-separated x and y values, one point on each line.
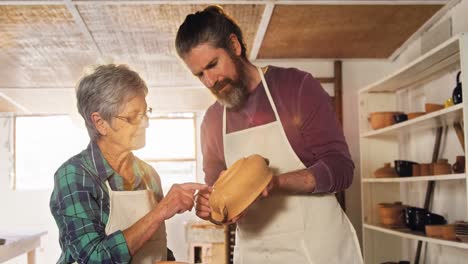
211	146
325	148
77	207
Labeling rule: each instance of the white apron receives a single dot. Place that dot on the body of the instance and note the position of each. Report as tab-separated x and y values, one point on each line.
126	208
299	229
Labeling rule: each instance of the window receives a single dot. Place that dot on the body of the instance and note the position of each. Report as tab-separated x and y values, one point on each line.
43	143
170	148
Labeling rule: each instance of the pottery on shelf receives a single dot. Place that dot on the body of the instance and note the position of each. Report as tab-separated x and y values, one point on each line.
459	165
433	107
457	91
385	172
238	187
425	169
442	167
416	169
415	115
392	214
382	119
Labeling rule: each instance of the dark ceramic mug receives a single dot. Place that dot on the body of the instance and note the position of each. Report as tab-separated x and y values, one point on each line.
400	117
404	168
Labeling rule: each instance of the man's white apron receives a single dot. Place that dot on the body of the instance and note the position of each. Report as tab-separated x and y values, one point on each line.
289	228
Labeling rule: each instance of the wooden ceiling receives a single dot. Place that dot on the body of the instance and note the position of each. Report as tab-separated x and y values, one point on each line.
341	31
45	44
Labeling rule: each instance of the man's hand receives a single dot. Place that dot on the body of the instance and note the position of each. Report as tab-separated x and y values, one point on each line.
202	207
271	187
179	199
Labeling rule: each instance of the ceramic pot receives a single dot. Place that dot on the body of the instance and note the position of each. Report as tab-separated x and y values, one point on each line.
391	214
238	187
404	168
415	115
416	170
400	118
382	119
433	107
459	165
448	232
385	172
457	91
425	169
442	167
433	230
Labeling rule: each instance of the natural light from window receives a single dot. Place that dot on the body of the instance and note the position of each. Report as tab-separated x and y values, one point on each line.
43	143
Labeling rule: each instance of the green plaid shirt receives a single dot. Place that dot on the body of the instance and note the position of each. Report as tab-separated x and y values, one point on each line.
80	206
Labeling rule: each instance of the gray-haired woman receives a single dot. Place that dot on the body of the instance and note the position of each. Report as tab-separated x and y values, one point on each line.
107	203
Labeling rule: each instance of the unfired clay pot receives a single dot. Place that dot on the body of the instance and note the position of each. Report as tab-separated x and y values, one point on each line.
442	167
385	171
238	187
392	214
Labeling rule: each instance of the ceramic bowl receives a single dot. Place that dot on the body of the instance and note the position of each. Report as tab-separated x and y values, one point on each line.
400	117
382	119
391	214
415	115
404	168
238	187
434	231
433	107
417	218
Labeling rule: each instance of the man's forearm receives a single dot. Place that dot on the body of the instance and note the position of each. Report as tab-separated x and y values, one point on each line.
301	181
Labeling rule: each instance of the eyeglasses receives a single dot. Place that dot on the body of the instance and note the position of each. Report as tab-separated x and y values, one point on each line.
136	120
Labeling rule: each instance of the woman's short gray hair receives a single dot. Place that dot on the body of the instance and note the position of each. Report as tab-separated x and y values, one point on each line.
106	90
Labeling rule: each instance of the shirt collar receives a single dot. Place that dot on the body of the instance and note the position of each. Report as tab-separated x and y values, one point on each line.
98	162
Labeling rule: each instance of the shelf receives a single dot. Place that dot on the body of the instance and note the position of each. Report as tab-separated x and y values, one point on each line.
443	117
416	178
417	236
445	56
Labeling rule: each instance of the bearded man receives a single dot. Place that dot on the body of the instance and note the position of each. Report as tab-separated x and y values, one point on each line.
285	116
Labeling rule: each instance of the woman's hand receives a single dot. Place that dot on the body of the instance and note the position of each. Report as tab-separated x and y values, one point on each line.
179	199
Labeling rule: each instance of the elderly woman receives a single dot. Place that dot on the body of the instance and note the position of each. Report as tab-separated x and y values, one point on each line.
107	203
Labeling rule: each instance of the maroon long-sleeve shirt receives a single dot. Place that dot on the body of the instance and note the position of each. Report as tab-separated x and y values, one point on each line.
307	117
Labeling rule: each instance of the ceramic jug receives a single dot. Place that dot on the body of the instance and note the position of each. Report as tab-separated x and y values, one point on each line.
459	165
457	92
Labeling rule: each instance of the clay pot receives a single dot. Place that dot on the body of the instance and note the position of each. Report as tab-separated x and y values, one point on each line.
382	119
459	165
415	115
392	214
385	172
238	187
448	232
425	169
442	167
433	107
416	170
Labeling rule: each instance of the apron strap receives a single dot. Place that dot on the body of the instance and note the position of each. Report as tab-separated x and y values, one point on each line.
267	91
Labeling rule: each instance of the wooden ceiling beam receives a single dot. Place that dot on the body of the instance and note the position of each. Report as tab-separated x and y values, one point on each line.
224	2
14	104
262	28
82	26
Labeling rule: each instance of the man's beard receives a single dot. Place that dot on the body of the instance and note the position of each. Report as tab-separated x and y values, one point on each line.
235	98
